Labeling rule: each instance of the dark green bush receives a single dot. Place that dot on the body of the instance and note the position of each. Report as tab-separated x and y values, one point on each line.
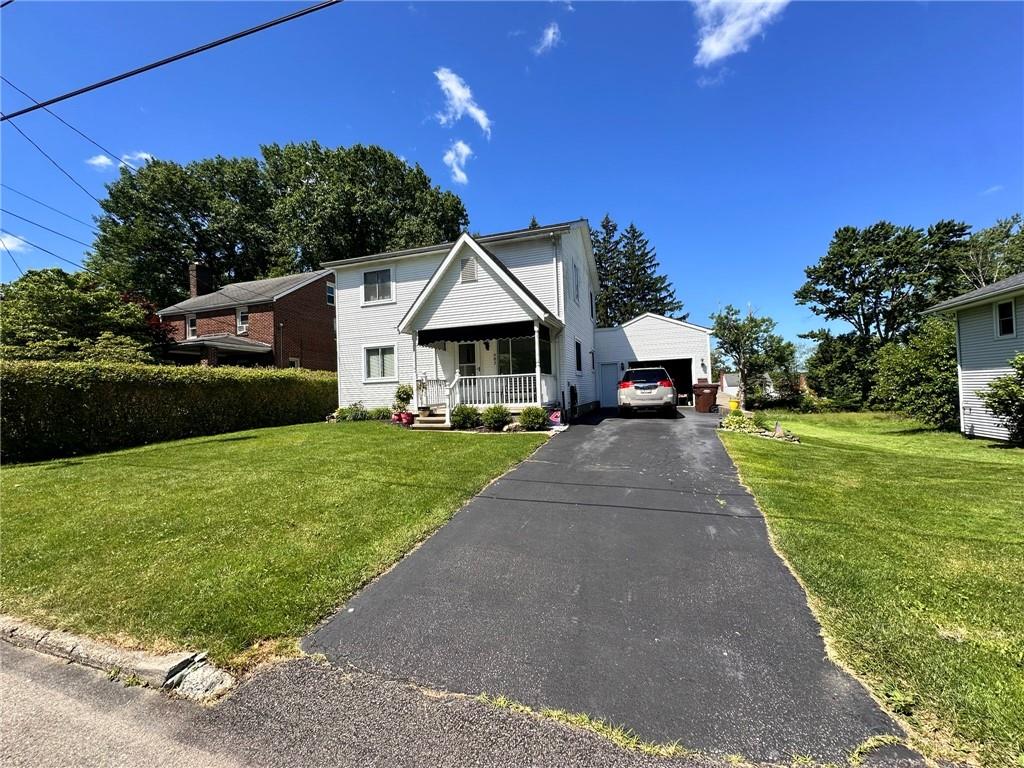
465	417
51	409
918	377
381	413
533	418
495	417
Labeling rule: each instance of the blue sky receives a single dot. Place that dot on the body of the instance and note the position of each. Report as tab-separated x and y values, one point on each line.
737	136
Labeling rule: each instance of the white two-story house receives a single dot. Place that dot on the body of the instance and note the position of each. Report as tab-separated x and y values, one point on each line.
505	318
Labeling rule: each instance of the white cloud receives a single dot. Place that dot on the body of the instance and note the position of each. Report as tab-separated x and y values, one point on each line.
549	38
136	158
12	243
459	101
455	158
727	26
993	189
99	162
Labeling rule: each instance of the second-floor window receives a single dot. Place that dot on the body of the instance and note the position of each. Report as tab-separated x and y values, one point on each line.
1005	320
592	311
242	320
190	326
377	287
579	356
330	294
576	282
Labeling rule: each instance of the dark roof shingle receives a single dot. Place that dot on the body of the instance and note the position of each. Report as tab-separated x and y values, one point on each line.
1010	284
249	292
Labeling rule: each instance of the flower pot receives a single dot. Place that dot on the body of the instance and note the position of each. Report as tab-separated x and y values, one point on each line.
396	418
406	418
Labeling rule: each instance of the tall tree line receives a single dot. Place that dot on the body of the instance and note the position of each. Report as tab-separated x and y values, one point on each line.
246	218
631	284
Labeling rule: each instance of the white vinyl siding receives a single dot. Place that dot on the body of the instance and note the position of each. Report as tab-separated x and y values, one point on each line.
655	338
454	302
984	356
578	322
533	263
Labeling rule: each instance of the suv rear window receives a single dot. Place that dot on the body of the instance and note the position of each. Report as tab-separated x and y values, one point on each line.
645	375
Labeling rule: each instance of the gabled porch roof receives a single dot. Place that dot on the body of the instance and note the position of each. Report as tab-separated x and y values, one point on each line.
512	285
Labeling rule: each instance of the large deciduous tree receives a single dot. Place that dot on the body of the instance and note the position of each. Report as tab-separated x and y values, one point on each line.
292	208
987	256
879	279
630	283
751	347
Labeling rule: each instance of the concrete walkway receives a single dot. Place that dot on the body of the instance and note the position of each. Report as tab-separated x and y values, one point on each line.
624	572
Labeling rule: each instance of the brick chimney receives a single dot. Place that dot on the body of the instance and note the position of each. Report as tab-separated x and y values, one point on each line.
200	280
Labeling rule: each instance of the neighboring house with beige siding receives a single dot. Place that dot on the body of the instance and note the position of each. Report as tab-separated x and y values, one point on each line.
989	333
505	318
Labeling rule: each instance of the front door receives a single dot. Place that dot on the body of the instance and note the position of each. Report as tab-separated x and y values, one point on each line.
609	384
467	359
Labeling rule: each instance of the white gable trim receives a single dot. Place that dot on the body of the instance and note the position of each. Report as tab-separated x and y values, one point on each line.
405	326
683	323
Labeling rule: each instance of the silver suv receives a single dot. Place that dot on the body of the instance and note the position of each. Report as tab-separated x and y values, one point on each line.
647	388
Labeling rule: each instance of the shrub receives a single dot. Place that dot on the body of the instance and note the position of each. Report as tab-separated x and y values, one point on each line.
495	417
354	412
381	413
918	378
465	417
50	409
533	418
760	420
1005	398
403	396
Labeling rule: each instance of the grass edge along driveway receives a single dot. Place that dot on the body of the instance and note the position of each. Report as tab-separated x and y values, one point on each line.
911	545
235	542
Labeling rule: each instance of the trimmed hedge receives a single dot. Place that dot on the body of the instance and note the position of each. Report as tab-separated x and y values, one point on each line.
52	409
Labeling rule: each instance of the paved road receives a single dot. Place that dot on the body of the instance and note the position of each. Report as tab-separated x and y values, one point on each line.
622	571
297	714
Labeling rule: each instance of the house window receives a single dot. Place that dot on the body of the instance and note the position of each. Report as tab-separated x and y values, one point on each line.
334	325
591	305
377	287
293	362
242	320
330	294
516	356
467	270
190	326
576	282
579	356
380	363
467	359
592	367
1005	319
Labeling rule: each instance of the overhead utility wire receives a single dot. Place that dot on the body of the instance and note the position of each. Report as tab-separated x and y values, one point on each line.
8	249
43	226
171	59
73	128
58	165
47	205
47	250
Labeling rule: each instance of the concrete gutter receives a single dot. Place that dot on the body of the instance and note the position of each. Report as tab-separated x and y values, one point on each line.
188	674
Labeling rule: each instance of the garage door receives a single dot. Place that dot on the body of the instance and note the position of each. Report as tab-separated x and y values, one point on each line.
609	383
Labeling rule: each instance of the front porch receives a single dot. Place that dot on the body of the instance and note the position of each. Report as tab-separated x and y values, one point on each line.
510	364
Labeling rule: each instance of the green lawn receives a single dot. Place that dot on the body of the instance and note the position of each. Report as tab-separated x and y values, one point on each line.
911	544
220	542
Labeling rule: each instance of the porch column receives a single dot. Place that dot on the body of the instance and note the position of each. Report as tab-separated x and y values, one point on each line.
536	358
415	373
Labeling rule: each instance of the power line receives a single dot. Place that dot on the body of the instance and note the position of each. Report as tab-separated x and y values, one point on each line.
58	165
43	226
5	3
47	250
176	57
47	205
69	125
22	271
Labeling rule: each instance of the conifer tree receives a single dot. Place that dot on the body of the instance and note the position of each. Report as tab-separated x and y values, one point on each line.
640	287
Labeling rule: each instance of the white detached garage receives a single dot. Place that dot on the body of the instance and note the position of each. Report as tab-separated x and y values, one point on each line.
683	349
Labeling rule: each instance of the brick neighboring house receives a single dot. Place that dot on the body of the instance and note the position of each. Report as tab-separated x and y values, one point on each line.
278	322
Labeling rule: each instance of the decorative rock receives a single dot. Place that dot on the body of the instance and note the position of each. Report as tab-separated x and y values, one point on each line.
204	682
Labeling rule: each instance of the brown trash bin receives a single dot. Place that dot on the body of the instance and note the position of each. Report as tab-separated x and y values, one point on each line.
706	395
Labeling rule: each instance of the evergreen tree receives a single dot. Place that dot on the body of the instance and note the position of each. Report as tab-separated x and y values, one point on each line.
608	257
641	288
534	224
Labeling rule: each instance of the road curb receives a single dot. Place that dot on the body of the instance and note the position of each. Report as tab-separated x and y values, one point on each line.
187	674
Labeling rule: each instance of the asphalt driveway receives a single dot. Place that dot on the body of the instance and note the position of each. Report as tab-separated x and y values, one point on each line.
624	572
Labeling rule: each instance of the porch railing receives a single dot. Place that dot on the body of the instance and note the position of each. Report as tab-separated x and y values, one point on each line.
432	393
519	389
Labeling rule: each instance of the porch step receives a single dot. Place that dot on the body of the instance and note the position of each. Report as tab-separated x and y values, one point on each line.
432	425
431	419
